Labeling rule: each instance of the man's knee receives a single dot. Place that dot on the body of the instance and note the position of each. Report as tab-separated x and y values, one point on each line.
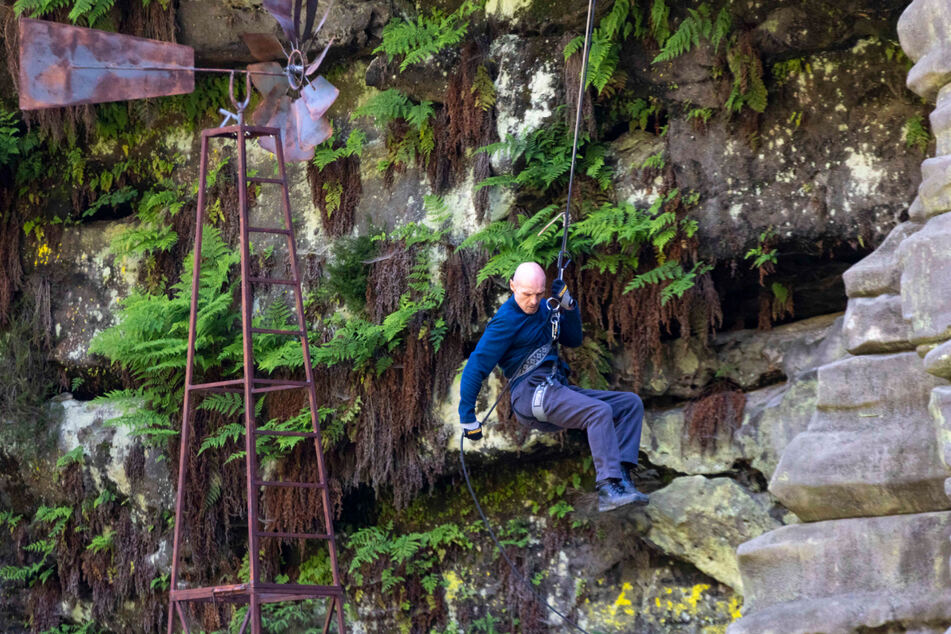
600	412
633	403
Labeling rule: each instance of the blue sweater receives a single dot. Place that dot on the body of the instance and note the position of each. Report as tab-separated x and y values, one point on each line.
510	336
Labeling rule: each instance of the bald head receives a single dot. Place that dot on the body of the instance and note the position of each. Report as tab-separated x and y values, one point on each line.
528	286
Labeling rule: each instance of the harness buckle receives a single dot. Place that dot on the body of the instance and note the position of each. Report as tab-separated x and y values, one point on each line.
538	399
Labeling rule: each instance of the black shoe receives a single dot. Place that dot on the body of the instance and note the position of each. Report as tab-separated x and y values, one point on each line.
612	493
628	484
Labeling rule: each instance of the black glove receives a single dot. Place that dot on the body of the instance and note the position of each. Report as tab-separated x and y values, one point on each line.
559	290
472	431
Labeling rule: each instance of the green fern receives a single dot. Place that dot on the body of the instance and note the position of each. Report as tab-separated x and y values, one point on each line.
916	134
547	159
748	88
90	10
9	135
696	27
484	89
76	456
611	237
102	542
417	144
659	21
654	161
606	41
325	153
151	336
416	41
154	230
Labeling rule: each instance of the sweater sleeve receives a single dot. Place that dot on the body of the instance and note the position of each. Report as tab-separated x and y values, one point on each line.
493	344
571	334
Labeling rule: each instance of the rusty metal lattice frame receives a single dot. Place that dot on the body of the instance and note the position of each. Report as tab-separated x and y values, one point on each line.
254	592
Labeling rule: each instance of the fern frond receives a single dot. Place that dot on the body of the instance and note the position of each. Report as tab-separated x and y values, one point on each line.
659	26
721	28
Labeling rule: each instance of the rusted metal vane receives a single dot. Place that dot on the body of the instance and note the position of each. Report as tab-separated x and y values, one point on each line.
64	65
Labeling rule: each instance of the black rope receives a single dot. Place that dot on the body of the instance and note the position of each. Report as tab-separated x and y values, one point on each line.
515	571
574	148
562	264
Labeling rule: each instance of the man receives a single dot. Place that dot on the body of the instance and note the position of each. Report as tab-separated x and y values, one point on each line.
515	338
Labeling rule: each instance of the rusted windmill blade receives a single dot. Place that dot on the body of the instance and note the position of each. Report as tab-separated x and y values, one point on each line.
63	65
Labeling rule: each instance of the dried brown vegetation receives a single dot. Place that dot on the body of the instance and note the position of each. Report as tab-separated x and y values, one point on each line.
11	271
466	121
639	319
718	412
335	191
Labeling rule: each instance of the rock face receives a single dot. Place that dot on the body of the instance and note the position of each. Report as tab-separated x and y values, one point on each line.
877	448
107	449
845	575
870	447
704	520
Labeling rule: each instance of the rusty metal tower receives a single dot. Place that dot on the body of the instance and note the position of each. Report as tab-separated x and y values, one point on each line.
254	592
64	65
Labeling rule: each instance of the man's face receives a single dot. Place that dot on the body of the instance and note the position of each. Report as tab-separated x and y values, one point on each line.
529	293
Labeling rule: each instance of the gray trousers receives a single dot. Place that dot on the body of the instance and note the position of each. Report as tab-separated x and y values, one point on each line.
612	420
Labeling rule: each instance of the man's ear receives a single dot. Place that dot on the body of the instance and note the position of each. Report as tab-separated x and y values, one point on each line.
512	284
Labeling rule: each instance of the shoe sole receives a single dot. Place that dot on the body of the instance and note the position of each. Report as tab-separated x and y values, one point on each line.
610	507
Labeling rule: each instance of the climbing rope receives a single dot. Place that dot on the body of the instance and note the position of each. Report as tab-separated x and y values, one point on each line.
563	261
495	539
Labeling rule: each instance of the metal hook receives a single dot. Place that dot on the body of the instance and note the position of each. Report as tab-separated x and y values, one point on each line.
240	105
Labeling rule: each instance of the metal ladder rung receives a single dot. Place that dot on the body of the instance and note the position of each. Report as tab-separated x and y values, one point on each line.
219	386
261	179
292	434
286	232
272	280
274	385
271	331
293	535
295	485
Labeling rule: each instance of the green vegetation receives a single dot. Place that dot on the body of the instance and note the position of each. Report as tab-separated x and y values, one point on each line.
358	341
325	154
916	134
546	154
411	138
90	11
394	557
151	337
49	520
699	25
784	70
417	41
9	137
612	237
606	41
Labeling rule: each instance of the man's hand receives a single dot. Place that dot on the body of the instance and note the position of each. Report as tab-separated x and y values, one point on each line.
559	290
472	431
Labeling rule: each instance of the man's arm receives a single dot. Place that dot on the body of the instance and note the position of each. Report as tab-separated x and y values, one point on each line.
571	334
493	344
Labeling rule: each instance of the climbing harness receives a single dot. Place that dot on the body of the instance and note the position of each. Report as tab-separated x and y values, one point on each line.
536	357
538	398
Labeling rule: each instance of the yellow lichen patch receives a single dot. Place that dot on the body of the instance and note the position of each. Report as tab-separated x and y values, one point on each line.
622	602
453	583
694	597
734	607
42	254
